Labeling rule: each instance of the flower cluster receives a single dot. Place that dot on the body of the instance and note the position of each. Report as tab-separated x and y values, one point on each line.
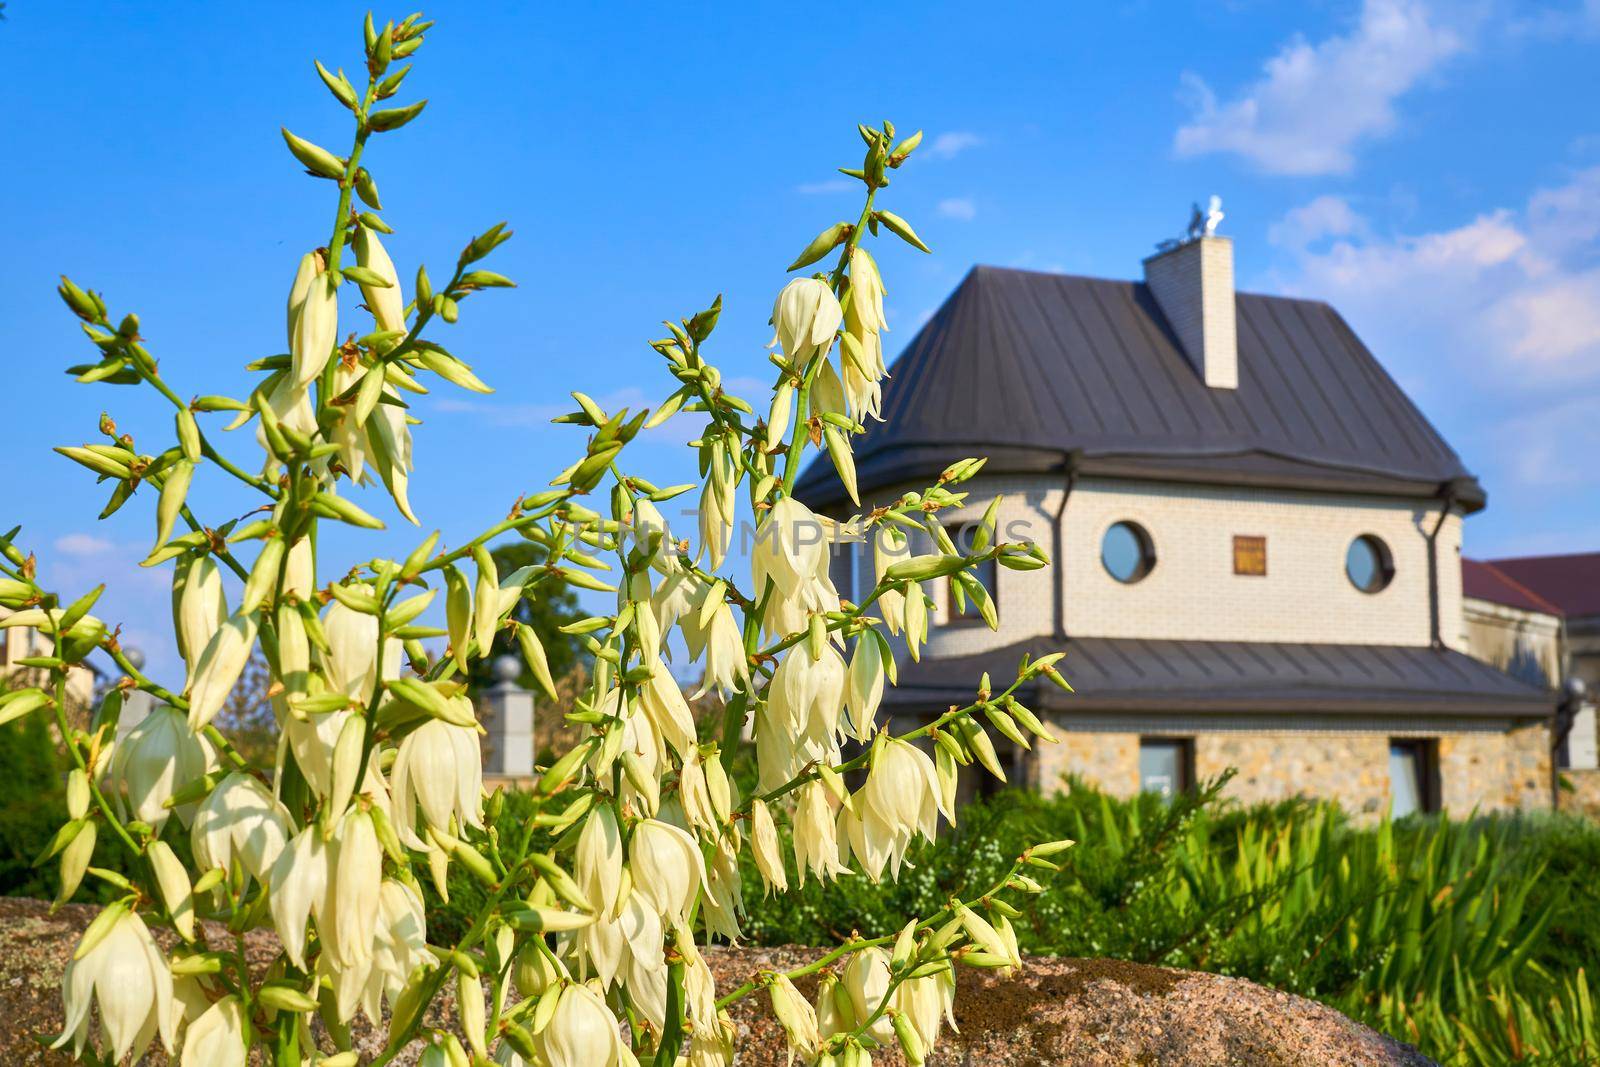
584	951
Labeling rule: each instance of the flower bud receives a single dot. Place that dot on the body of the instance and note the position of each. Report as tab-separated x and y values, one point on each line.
385	303
199	606
219	668
315	329
173	881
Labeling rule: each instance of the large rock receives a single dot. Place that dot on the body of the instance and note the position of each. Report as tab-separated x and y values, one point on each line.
1056	1011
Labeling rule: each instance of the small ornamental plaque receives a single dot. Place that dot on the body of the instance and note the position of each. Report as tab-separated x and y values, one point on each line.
1250	555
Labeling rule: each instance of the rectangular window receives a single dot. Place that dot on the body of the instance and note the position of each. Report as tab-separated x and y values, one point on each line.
1413	776
1250	555
1166	765
964	608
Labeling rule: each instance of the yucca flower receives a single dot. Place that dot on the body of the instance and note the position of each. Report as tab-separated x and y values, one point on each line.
582	1032
720	641
297	888
724	891
816	841
865	980
157	757
220	665
597	862
387	305
400	945
217	1038
791	551
314	327
642	974
866	290
808	692
900	800
312	740
668	870
199	606
339	883
889	546
797	1017
439	768
928	1004
351	662
804	318
177	894
299	570
240	822
863	689
765	847
389	444
783	749
126	973
662	700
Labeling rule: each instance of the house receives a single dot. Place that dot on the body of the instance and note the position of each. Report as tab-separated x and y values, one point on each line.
1255	537
1538	617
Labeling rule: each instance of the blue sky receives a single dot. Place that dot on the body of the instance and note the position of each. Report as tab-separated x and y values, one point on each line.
1431	169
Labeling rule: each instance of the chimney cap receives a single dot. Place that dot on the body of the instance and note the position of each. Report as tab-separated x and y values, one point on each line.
1201	224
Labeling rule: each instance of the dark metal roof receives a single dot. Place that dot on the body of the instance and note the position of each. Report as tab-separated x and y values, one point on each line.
1024	367
1246	677
1571	583
1483	580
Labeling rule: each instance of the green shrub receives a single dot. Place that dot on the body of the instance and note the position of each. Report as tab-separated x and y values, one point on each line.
1464	937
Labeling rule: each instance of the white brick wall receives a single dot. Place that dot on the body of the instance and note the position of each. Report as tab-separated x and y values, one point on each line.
1193	593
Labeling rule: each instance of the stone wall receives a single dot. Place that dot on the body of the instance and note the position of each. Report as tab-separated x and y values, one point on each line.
1487	767
1584	796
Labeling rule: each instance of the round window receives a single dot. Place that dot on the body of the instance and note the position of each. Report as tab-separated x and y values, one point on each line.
1127	552
1368	564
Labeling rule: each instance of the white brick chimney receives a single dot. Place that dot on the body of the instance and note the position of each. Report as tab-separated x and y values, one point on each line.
1193	284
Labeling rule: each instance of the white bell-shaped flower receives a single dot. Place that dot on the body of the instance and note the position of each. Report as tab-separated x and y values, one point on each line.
865	979
217	1038
387	304
438	768
241	821
313	328
126	973
199	606
805	318
816	841
597	861
667	867
157	757
582	1032
400	945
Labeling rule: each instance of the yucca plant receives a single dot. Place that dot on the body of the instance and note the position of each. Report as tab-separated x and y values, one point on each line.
594	904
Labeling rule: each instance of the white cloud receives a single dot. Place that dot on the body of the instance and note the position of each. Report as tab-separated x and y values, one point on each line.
83	544
1326	216
952	143
959	208
1515	292
1314	103
1493	326
824	188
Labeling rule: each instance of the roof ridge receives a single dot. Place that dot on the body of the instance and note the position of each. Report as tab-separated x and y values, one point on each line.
1137	282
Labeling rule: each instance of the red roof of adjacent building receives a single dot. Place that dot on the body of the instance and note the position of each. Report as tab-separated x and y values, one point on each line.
1571	582
1484	580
